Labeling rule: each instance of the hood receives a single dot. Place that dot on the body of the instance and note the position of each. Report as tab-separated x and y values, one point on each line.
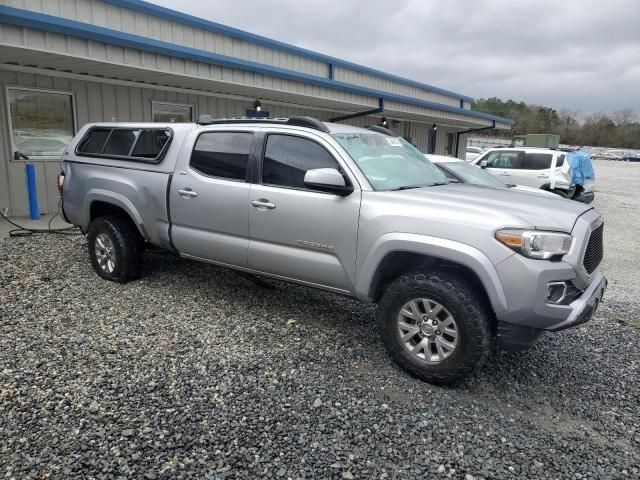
544	212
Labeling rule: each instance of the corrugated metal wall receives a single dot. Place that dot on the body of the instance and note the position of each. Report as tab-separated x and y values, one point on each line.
96	101
365	80
121	19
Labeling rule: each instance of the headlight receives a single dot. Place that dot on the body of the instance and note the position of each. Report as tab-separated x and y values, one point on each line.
535	243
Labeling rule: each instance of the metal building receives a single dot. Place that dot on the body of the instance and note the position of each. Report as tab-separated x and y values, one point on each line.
64	63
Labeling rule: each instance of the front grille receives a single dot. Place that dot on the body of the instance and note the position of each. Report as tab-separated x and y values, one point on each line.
593	253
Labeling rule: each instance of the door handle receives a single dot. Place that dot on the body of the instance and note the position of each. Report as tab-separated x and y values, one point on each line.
187	192
263	203
543	175
505	174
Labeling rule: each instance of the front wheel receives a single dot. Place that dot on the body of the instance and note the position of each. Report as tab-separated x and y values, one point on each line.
561	193
435	326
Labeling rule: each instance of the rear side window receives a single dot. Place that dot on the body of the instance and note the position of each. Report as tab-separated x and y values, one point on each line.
287	159
142	145
222	154
93	142
536	161
121	141
150	143
560	161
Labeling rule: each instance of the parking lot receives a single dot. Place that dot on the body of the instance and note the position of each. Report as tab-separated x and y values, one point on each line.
194	372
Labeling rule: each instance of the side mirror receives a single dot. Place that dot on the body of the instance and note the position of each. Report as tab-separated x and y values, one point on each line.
327	180
483	164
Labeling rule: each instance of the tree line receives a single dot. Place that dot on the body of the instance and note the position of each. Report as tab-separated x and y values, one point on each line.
620	129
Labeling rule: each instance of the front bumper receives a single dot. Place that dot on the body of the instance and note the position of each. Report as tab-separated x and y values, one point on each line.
585	306
517	336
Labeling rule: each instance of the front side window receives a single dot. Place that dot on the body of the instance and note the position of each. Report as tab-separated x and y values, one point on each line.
502	159
287	159
222	154
171	112
536	161
390	163
41	122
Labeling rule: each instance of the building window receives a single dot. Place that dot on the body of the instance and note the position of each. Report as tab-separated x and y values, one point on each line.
171	112
41	122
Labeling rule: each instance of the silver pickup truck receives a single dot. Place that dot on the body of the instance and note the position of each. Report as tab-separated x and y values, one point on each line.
455	268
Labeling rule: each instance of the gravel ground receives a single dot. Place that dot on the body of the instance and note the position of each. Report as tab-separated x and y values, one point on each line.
193	372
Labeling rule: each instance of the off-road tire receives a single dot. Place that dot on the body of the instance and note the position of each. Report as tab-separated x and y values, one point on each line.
473	318
127	244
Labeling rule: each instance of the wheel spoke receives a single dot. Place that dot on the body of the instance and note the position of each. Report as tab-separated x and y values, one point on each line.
451	332
409	314
407	331
447	322
432	313
415	310
444	343
422	346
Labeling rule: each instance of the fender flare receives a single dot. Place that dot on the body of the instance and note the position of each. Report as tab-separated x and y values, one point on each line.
100	195
445	249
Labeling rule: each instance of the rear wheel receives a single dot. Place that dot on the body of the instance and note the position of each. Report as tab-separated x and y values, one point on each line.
115	248
434	326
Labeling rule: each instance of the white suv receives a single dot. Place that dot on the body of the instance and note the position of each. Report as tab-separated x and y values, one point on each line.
542	168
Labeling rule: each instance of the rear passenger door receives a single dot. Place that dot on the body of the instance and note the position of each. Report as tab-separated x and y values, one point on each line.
209	198
296	232
533	169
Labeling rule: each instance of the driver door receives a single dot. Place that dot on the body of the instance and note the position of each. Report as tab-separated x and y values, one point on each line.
295	232
501	165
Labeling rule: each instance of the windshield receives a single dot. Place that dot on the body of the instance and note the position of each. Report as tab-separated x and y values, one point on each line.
390	163
472	174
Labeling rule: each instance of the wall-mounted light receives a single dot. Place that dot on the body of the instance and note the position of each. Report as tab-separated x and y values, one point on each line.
257	106
384	122
434	127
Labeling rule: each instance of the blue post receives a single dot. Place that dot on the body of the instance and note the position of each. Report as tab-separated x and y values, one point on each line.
34	210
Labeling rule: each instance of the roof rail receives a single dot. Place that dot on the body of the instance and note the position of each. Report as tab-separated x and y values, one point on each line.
297	121
379	129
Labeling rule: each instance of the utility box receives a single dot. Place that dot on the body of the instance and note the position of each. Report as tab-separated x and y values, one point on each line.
544	140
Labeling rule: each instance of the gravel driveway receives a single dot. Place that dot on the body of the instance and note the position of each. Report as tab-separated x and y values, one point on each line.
193	372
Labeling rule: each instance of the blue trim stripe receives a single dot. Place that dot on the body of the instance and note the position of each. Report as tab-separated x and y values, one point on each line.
63	26
190	20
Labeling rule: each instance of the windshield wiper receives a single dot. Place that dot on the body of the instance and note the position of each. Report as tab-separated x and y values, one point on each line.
408	187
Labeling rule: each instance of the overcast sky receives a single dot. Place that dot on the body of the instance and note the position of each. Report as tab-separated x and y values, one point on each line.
583	55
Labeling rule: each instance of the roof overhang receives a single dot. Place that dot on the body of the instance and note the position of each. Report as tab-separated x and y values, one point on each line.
357	98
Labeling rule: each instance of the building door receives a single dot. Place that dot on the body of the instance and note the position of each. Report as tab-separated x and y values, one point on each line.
431	140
